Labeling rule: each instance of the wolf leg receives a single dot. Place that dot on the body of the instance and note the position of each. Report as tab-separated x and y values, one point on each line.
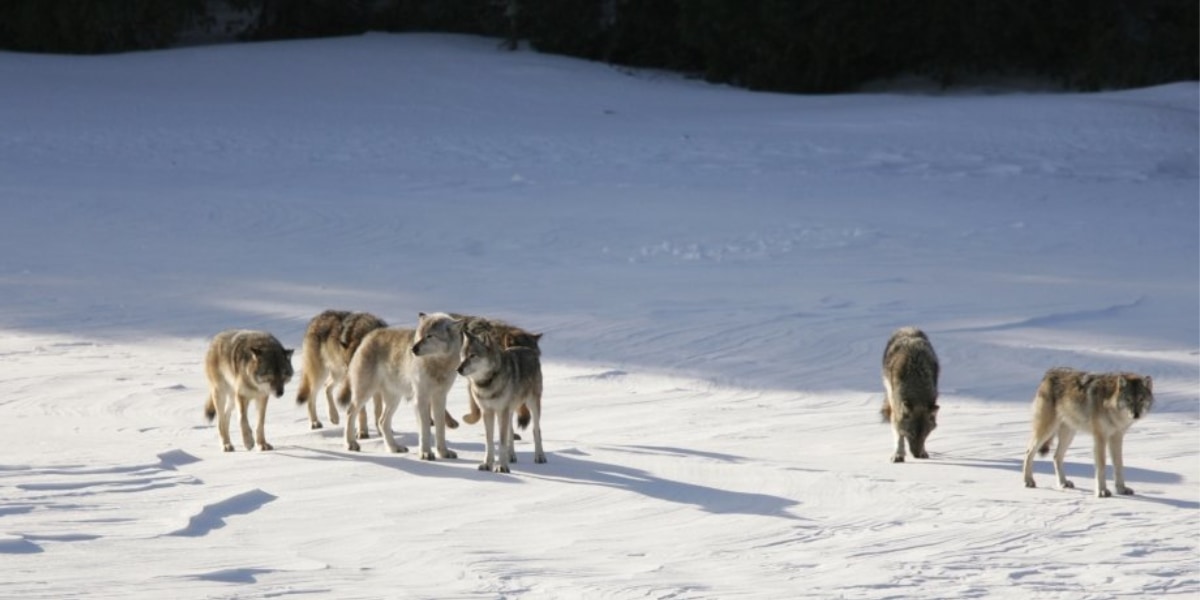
224	405
898	454
243	404
1115	448
1044	428
390	404
260	437
504	419
1098	453
535	410
437	408
424	430
333	409
472	417
489	432
1066	434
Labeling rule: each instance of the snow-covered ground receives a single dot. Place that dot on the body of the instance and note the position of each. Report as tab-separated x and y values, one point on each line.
715	271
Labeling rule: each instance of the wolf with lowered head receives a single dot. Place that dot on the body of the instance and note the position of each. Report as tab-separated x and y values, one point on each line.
501	379
395	364
244	365
1106	404
910	381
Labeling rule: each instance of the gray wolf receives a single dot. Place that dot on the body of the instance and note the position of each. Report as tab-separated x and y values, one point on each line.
501	379
1107	404
496	332
910	380
395	364
242	366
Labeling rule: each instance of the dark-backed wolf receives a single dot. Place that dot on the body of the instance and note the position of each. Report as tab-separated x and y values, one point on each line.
502	379
403	364
1106	404
329	342
496	332
910	381
242	366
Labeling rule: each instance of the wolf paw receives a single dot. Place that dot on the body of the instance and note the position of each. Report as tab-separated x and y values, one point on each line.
483	466
1030	484
449	454
316	425
1103	493
500	469
363	435
897	458
353	446
539	458
399	449
516	437
426	455
1066	485
227	447
1125	491
333	418
265	446
921	454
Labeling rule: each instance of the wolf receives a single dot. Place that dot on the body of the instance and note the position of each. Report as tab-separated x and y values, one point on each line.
244	365
329	342
496	332
910	382
397	363
500	380
1105	403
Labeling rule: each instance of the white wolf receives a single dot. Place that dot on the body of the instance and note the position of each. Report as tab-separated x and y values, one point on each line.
400	364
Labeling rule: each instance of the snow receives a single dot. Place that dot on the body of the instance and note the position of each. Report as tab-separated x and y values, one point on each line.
715	271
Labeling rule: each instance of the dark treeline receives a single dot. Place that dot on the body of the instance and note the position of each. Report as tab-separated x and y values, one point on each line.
784	45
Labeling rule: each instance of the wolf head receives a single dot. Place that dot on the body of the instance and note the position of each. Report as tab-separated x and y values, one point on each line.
272	365
475	357
917	421
437	333
1135	394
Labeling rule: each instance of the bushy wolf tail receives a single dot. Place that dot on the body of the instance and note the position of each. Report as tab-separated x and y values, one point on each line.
886	411
210	409
344	394
523	416
305	390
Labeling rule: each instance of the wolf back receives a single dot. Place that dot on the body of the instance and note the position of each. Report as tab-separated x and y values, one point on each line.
910	380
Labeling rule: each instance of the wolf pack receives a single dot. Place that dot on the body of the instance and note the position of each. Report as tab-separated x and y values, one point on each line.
357	360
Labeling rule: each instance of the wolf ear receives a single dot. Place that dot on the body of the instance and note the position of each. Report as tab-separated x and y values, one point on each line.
421	316
537	337
1121	382
1149	383
288	352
